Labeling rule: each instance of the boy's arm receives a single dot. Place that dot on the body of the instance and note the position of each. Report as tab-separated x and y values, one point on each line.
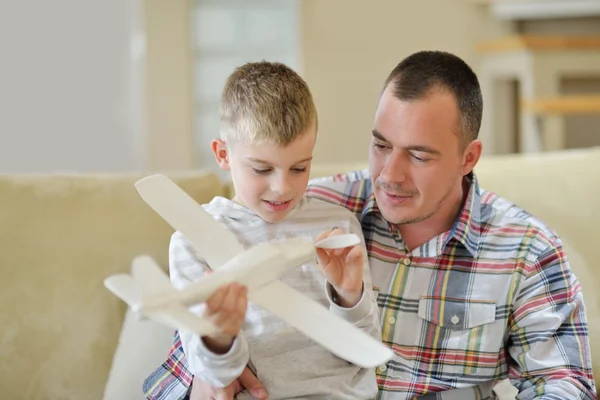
219	370
365	314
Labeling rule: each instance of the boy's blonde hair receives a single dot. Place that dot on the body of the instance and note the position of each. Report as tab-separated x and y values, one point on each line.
266	101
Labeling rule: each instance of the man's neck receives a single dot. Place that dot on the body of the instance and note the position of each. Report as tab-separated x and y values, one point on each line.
415	235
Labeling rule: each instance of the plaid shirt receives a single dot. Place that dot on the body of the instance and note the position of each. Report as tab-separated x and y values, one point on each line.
492	298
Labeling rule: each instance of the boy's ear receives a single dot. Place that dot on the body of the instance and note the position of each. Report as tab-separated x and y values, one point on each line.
219	149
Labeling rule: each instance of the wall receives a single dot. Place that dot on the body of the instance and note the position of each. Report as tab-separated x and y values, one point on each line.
170	142
67	96
349	47
75	94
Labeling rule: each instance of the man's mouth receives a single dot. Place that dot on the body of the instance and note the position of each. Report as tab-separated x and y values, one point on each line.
396	198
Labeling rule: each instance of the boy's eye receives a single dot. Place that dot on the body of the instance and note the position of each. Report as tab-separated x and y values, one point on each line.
299	170
261	171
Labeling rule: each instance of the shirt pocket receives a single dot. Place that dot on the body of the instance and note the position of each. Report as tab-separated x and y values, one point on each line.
461	332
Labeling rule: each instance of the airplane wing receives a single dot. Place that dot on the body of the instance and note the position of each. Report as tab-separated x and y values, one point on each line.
315	321
213	240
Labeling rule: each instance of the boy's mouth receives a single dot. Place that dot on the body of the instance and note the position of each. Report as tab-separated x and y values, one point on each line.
278	205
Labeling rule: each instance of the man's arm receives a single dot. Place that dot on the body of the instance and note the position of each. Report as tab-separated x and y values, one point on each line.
549	341
172	379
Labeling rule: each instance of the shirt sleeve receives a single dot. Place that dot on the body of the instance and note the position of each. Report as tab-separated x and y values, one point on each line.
365	314
219	370
549	342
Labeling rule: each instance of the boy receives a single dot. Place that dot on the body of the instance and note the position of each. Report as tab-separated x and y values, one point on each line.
268	132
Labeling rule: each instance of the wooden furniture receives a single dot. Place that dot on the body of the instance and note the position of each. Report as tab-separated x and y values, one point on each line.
537	64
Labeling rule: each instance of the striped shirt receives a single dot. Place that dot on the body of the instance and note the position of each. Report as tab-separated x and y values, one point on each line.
492	298
288	363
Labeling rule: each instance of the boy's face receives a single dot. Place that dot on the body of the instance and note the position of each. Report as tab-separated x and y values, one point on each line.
268	179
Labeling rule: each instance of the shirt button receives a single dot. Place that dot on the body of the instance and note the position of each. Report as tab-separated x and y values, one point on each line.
455	320
406	261
382	368
392	320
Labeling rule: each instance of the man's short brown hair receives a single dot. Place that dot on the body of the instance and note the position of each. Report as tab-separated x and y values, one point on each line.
423	72
266	101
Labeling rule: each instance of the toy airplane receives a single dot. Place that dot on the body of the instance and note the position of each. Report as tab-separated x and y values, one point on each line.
149	291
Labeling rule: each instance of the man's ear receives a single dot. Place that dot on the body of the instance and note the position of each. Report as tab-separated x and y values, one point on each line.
221	153
471	156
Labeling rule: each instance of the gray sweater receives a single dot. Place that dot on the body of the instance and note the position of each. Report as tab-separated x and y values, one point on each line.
289	364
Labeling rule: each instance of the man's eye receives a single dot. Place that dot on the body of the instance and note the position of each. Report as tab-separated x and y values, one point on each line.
420	159
379	146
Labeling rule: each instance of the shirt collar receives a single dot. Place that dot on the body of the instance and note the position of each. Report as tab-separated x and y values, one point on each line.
467	227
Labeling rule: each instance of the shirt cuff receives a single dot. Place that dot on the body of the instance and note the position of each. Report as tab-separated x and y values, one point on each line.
237	349
354	314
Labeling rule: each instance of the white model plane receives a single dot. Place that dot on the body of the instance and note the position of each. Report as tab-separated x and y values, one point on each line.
148	291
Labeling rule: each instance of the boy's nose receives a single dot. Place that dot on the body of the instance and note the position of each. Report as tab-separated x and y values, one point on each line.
280	186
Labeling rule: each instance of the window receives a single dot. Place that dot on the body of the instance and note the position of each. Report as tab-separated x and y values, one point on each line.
229	33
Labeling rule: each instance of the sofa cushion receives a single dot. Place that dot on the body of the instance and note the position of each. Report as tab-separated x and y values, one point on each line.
143	346
61	236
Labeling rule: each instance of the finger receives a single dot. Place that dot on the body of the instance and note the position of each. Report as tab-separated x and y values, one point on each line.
336	231
342	253
355	255
330	232
355	261
213	304
242	302
224	394
323	235
230	318
230	300
322	257
251	382
337	254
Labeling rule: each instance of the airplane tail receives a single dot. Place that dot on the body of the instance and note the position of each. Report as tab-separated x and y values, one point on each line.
147	282
150	278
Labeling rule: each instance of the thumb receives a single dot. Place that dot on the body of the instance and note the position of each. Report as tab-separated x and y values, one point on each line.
322	257
250	382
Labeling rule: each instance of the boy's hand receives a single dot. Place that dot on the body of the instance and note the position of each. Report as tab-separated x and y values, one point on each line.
248	381
343	268
226	309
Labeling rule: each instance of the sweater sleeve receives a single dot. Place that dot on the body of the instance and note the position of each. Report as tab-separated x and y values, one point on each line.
219	370
365	314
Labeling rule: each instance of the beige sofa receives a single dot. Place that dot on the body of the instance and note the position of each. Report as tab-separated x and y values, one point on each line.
64	336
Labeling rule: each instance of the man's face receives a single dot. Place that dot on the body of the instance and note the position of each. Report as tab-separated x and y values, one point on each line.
415	157
269	179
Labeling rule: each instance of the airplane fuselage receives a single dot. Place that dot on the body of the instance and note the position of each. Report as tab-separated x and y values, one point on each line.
253	268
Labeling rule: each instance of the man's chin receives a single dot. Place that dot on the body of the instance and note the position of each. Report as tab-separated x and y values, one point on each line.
401	218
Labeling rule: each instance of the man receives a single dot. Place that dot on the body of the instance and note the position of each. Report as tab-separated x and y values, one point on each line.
471	289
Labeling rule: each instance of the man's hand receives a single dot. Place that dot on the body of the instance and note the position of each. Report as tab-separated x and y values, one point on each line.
203	391
226	309
343	268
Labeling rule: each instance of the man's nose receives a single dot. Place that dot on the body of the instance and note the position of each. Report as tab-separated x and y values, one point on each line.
394	169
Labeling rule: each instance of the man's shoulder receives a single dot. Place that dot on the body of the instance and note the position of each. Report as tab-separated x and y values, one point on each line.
323	208
350	190
501	217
